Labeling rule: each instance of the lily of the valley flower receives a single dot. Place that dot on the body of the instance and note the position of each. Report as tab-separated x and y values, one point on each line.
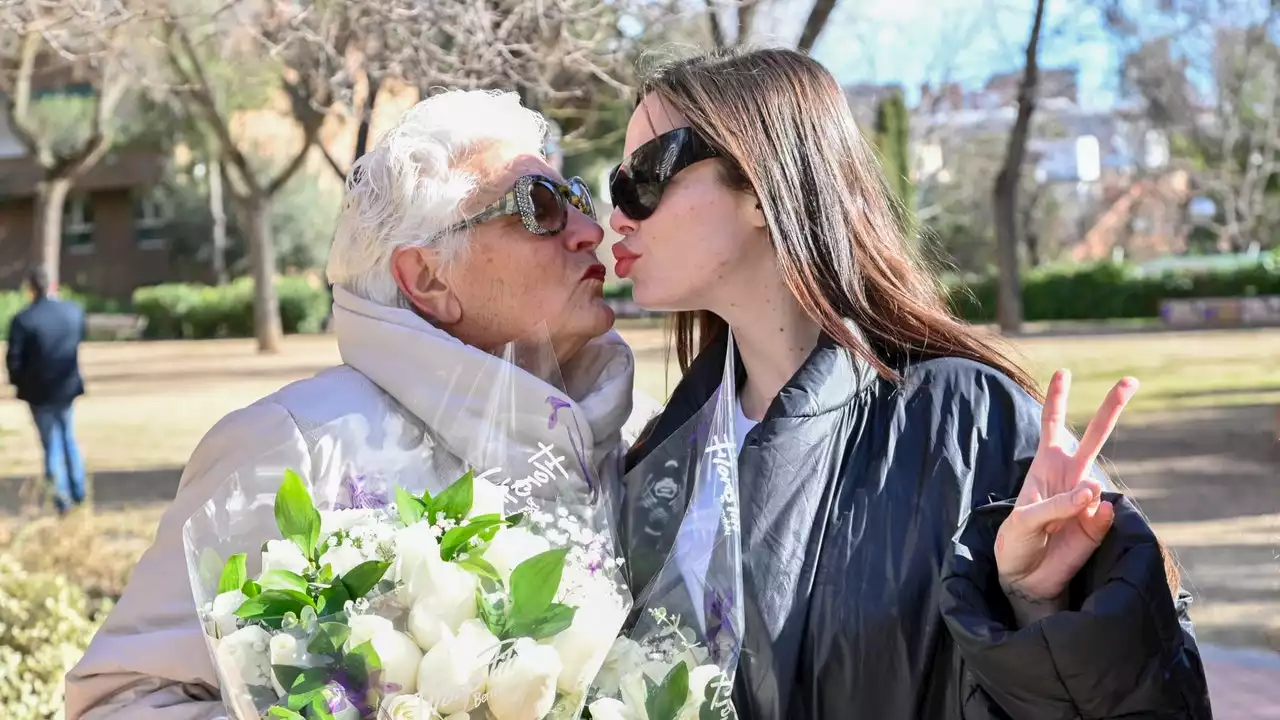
284	555
400	656
223	611
523	686
454	673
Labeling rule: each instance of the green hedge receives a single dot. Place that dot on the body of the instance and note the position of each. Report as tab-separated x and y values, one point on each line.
192	312
1107	291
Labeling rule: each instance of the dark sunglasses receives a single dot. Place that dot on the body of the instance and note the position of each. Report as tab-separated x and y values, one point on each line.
636	185
541	202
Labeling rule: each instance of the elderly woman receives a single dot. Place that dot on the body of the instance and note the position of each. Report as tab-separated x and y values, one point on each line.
455	239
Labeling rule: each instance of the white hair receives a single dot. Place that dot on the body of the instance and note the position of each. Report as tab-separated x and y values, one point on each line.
411	185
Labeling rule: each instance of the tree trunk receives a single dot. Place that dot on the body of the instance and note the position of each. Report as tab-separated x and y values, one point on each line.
262	258
218	209
813	26
1005	196
46	241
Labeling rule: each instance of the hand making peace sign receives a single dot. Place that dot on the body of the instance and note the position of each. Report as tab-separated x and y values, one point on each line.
1059	518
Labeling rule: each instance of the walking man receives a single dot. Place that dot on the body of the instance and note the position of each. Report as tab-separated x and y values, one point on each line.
43	364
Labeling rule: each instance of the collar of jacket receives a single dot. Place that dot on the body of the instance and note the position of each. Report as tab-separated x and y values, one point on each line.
471	399
830	378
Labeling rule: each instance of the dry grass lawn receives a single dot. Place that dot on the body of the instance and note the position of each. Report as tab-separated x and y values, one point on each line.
1197	448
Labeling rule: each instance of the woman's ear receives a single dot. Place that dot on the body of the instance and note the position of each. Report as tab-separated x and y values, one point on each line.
420	275
753	212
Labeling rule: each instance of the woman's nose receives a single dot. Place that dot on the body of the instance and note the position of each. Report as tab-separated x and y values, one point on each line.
582	234
620	223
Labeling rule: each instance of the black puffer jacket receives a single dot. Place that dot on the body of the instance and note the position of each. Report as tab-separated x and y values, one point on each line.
869	513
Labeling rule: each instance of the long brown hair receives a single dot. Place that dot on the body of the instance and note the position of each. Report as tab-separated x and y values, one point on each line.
785	133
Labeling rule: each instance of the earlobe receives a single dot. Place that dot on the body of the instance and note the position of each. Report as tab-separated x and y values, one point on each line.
755	213
419	273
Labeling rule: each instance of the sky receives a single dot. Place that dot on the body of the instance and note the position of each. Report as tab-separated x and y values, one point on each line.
913	41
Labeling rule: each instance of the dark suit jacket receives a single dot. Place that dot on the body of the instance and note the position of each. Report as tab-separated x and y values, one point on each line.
43	353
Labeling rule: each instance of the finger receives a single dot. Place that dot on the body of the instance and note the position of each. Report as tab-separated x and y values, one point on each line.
1097	523
1103	423
1042	516
1053	418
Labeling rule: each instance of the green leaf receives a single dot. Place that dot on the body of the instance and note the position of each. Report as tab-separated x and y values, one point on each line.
454	502
282	580
481	567
364	577
251	589
270	606
664	701
410	508
286	674
361	661
325	576
492	613
320	708
548	624
457	538
534	583
233	574
310	680
329	639
283	713
296	514
333	600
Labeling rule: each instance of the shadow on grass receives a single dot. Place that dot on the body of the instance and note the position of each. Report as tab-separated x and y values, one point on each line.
108	490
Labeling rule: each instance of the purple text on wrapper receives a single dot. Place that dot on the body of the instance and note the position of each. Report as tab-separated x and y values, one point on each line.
359	497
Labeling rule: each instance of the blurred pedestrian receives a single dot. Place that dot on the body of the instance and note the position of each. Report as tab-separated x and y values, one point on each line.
43	364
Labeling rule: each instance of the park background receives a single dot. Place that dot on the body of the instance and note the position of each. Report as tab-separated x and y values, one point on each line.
1098	180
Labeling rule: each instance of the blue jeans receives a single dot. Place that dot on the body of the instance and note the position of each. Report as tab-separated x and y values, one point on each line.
62	463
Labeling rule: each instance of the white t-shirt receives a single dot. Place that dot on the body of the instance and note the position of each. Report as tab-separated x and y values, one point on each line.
741	424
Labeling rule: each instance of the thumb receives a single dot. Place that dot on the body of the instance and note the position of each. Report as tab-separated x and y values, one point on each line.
1037	517
1098	522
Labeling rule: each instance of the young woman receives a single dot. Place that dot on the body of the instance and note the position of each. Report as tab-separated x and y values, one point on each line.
921	538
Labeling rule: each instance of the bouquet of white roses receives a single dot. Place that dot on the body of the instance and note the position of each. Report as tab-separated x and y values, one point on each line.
351	585
438	607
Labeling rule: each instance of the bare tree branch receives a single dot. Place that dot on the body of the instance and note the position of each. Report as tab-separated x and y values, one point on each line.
814	25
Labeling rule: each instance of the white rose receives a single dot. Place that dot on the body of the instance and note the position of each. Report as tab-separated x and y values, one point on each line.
487	499
245	654
342	558
224	609
400	656
284	555
583	645
624	658
523	686
699	677
610	709
453	674
512	546
406	707
417	554
331	521
444	606
634	692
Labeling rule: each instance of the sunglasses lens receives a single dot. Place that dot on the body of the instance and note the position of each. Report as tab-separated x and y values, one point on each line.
582	197
623	192
547	207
